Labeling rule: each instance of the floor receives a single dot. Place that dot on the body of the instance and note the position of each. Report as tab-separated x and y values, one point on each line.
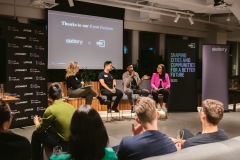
190	120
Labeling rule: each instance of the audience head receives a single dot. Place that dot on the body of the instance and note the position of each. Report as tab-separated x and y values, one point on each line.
55	91
72	69
88	136
213	110
129	67
108	65
146	110
161	69
5	116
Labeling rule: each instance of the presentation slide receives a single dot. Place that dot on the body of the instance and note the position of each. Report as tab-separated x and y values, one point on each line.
88	40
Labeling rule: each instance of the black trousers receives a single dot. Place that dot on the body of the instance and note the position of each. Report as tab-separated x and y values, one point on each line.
164	92
47	138
118	94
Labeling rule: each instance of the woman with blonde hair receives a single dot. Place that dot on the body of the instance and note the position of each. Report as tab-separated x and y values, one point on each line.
76	87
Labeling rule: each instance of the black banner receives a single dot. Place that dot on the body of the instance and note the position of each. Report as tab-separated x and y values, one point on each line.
26	71
182	58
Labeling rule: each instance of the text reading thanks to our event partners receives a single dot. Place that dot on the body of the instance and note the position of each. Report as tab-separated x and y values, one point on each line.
88	26
181	64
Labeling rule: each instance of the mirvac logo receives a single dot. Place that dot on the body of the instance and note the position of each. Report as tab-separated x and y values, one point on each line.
40	78
219	49
40	48
34	70
20	70
39	32
41	109
27	30
10	28
27	62
40	94
34	86
13	62
21	86
14	94
20	54
15	112
33	39
28	94
21	102
12	45
21	118
19	37
13	79
28	78
28	110
35	102
27	46
40	63
35	55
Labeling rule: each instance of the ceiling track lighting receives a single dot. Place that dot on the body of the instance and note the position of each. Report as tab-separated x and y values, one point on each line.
177	18
190	20
70	2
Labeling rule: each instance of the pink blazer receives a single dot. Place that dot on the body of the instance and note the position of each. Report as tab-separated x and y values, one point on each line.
155	81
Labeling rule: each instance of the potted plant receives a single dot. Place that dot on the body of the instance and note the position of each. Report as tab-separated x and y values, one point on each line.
87	75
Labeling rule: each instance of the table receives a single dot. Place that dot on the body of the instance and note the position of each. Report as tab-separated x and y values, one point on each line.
235	91
10	99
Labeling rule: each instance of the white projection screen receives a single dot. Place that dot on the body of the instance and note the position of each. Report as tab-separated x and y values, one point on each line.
88	40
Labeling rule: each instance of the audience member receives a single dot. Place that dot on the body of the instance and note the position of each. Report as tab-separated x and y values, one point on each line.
107	87
54	128
210	115
76	87
88	138
131	82
147	140
12	146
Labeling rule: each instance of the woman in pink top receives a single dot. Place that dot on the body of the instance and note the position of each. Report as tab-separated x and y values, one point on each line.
160	84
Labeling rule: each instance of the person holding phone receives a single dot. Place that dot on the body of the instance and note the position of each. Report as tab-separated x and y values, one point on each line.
160	83
131	82
76	87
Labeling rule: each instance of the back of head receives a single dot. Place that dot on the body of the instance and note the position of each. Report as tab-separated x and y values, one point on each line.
5	113
107	63
55	91
146	109
214	110
88	137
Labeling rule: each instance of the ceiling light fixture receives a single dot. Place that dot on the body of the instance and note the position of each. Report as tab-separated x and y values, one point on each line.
177	18
228	18
70	2
190	20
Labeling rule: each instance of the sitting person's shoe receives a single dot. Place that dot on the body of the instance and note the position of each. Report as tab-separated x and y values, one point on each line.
116	110
103	101
109	110
132	111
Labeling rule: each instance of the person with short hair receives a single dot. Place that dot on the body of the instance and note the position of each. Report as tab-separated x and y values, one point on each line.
53	129
131	82
76	87
210	115
160	83
12	146
146	141
108	87
88	138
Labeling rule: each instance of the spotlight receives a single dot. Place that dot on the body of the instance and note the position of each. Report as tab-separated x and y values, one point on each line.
70	2
177	18
190	20
228	19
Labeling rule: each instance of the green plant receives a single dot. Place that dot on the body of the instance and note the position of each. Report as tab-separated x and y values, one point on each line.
87	75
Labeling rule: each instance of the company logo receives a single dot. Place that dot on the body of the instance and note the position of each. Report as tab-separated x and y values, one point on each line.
41	109
27	62
40	94
27	78
20	70
13	62
20	54
40	78
39	48
39	32
21	86
219	49
34	55
192	45
27	30
34	86
13	79
35	101
39	63
19	37
12	45
15	112
101	43
10	28
21	119
14	94
27	46
21	102
28	94
34	70
28	110
32	39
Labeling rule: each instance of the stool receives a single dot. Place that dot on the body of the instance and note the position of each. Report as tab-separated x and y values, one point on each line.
75	102
160	99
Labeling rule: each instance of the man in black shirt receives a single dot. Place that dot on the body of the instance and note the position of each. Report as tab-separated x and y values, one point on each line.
210	114
131	82
107	86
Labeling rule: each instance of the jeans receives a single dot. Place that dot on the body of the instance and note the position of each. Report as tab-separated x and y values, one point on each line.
129	92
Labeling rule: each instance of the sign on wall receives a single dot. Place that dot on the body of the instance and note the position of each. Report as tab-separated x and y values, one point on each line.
182	58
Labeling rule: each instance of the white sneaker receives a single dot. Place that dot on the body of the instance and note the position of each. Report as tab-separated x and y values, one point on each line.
164	109
158	107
